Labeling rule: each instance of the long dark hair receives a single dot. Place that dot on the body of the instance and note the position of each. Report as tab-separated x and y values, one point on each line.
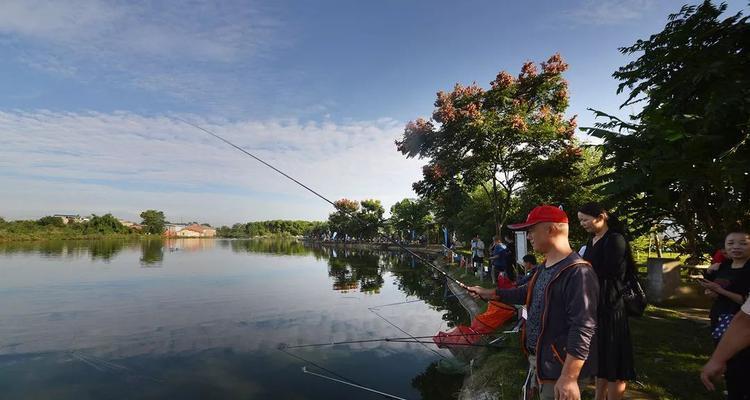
615	225
596	210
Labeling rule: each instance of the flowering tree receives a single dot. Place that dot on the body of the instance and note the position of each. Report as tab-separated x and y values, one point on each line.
359	219
494	138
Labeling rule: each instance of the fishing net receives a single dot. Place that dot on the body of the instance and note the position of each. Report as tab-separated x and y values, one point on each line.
496	315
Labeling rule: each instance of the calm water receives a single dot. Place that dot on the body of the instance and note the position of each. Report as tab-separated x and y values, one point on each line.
204	319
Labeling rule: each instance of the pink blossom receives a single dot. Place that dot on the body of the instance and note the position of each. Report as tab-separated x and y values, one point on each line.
528	70
502	81
518	123
555	65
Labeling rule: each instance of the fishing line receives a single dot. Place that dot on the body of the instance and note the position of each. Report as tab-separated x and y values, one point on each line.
348	213
406	333
322	368
387	395
397	304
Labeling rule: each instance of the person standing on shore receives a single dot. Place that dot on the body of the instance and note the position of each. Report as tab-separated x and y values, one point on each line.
561	300
609	254
729	285
498	258
529	267
477	253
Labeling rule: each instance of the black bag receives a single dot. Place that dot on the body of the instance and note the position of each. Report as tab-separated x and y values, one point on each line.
633	296
632	292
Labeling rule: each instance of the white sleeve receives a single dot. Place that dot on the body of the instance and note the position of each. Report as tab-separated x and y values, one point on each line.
746	306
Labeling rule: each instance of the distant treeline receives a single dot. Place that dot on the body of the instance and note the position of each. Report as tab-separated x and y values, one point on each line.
55	228
275	227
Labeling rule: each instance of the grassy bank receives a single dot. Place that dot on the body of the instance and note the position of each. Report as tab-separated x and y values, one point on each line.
671	344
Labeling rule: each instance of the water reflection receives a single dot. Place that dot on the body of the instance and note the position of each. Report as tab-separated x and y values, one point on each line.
207	323
354	270
288	247
105	249
152	253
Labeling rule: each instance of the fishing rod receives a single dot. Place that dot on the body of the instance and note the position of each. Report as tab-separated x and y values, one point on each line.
395	339
348	213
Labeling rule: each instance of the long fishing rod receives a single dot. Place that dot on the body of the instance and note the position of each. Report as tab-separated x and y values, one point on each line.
348	213
395	339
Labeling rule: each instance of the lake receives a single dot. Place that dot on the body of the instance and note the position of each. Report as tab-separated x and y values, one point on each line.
204	318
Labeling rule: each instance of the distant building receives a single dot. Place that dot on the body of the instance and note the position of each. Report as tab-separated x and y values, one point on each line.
188	233
131	224
74	218
193	230
203	231
171	230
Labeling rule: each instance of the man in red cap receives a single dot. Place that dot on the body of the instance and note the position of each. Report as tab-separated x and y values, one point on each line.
561	301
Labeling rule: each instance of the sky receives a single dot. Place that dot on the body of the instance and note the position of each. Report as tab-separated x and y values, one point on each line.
93	95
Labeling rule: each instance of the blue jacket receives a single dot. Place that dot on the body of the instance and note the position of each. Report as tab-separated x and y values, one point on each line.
568	317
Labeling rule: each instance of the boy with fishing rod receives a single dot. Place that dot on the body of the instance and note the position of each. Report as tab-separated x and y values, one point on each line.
561	300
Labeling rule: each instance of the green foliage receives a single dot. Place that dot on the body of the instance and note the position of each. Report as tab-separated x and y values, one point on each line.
361	220
564	182
51	221
683	159
153	222
106	224
54	228
340	220
370	218
476	217
275	227
492	138
410	214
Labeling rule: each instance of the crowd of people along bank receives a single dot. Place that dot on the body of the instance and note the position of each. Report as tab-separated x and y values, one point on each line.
577	325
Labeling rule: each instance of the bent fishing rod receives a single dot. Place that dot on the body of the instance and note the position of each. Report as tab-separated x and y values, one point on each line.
348	213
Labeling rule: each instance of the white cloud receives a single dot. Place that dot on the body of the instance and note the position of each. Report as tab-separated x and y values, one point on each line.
124	162
609	12
162	46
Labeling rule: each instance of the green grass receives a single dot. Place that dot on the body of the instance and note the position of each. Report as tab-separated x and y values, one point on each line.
670	346
669	352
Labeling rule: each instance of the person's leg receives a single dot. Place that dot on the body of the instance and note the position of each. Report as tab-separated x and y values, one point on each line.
601	389
615	390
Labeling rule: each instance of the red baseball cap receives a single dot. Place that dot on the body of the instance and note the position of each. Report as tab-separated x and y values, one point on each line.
541	214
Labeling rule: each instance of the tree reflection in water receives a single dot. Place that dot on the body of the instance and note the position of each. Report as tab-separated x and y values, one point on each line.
152	253
364	269
105	250
352	268
288	247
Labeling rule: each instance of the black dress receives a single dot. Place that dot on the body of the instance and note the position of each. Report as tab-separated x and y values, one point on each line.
610	257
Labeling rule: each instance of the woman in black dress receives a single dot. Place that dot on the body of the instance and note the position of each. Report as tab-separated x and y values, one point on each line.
609	254
728	283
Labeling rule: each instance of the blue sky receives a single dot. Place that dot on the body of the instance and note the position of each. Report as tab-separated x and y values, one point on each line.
90	89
